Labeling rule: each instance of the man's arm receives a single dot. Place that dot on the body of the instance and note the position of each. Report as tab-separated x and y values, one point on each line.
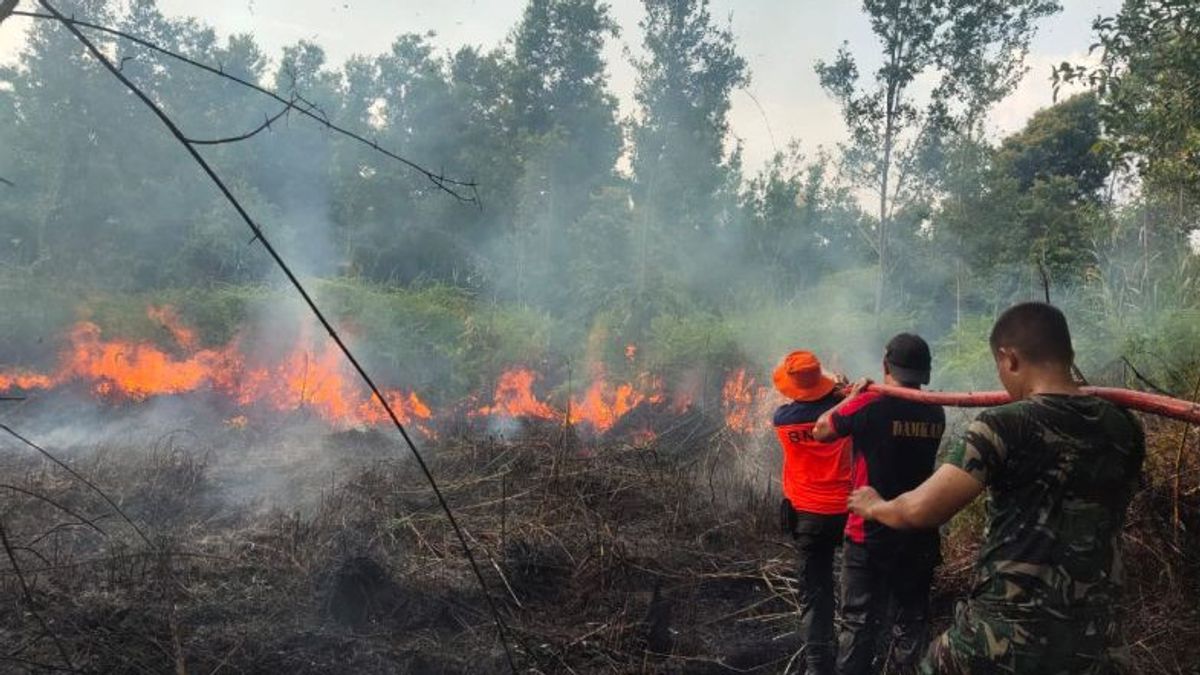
823	430
927	506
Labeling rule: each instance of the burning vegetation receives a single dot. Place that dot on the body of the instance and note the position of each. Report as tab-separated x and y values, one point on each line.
316	380
574	320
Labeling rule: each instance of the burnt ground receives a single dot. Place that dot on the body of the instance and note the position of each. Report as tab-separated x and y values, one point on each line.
602	557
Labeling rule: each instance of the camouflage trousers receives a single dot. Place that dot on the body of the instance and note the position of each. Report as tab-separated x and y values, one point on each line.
980	643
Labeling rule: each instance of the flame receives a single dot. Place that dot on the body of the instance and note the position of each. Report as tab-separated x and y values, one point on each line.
25	380
602	404
312	378
316	382
743	402
166	317
514	397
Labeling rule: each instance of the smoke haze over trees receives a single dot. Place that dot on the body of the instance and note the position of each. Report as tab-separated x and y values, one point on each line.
648	228
581	342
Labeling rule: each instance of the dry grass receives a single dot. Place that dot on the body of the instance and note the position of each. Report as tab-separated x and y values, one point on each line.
610	558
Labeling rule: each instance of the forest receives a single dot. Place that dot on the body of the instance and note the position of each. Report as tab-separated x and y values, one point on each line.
574	310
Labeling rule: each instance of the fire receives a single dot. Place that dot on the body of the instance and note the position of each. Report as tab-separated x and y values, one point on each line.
316	381
514	397
166	317
602	404
25	380
743	402
134	370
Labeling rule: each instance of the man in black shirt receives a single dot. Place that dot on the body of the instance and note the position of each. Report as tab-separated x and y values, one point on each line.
895	447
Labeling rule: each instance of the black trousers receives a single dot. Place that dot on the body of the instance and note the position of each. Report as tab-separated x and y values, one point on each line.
879	584
818	537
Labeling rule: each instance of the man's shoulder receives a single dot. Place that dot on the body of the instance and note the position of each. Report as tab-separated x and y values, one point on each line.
801	412
860	403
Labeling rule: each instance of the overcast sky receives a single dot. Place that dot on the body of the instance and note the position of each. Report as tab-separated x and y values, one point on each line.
781	39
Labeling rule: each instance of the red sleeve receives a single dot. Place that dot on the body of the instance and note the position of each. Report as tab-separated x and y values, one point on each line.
850	417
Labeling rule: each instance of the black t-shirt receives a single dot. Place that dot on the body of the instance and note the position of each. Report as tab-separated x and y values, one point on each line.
895	448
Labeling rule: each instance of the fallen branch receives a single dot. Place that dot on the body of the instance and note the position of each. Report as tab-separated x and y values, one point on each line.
1155	404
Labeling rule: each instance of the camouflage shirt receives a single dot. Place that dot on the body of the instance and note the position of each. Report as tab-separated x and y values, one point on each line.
1060	471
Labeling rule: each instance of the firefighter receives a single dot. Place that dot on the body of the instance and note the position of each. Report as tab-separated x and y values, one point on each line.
895	446
816	485
1060	469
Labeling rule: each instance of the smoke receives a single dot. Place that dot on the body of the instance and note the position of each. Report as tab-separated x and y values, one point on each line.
626	262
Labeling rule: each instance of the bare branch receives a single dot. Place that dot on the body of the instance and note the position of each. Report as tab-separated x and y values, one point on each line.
267	122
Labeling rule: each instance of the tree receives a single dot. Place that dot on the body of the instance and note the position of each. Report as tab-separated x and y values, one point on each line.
800	225
975	48
681	170
565	124
1148	81
1034	200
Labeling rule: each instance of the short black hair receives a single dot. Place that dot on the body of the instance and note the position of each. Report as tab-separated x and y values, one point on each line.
1037	331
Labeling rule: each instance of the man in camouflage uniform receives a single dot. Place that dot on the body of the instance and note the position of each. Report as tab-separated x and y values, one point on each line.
1060	469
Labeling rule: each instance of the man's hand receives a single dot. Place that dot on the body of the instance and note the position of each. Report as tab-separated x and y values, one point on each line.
927	506
823	430
863	502
859	386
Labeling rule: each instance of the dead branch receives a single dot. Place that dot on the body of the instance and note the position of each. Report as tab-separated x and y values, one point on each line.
1143	379
267	122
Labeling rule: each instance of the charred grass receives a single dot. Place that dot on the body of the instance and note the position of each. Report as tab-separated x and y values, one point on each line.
603	558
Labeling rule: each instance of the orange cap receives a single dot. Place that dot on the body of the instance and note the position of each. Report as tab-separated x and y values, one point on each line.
800	377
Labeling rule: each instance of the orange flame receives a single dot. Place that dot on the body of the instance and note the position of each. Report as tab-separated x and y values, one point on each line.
742	401
318	382
514	397
118	369
603	404
166	317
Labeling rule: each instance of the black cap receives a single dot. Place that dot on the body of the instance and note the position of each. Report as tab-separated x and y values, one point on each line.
908	358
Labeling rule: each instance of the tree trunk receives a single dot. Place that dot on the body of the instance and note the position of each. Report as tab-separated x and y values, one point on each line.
888	140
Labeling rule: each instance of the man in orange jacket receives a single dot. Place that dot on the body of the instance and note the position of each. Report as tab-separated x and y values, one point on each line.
816	484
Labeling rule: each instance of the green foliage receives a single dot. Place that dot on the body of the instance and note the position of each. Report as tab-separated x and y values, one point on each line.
975	50
1148	81
684	183
964	359
590	238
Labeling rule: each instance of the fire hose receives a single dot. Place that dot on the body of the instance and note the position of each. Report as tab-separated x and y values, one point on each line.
1155	404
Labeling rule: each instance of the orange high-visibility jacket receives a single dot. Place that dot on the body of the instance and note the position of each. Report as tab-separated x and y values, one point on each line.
816	476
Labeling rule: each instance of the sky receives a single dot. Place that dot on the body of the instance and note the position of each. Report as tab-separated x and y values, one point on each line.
780	39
